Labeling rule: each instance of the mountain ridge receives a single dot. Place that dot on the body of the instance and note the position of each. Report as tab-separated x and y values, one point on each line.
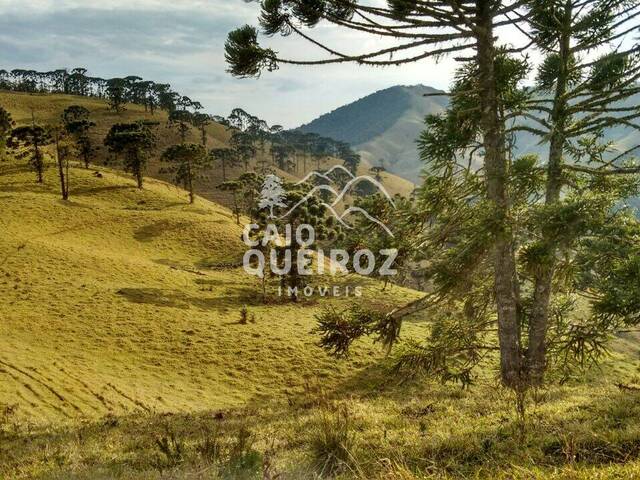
383	128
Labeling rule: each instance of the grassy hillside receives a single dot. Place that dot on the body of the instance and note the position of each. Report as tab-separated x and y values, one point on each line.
384	126
122	298
122	356
48	108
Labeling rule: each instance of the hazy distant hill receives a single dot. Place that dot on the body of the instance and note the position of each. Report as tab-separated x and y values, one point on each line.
385	125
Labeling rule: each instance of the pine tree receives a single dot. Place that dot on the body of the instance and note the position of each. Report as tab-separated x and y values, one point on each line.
62	151
201	121
133	142
585	106
227	158
419	30
116	94
6	124
571	235
27	142
180	120
77	124
234	187
187	162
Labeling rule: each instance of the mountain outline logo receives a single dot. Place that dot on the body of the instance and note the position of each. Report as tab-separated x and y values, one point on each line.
273	192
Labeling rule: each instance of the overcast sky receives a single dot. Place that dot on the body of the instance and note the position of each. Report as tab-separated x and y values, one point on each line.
182	42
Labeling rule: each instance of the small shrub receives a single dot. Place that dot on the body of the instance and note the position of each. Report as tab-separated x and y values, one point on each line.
244	315
244	461
333	441
172	449
211	448
231	458
7	412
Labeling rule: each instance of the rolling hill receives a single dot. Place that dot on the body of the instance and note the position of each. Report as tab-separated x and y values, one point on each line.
383	126
121	300
122	356
47	108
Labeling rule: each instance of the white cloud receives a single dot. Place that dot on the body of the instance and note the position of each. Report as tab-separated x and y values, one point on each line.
182	42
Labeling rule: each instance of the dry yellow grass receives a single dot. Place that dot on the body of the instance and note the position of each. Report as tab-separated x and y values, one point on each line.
119	326
122	299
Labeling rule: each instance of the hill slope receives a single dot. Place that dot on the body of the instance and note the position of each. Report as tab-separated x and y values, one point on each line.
122	300
48	108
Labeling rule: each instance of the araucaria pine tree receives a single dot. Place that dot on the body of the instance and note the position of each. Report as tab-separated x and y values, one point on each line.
27	142
235	188
227	158
116	94
77	124
62	154
418	30
511	238
187	162
132	142
6	124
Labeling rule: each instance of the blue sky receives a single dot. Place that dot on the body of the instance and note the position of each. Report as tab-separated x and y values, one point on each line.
181	42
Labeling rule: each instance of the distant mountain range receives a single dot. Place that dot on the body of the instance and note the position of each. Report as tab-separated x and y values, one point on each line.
385	125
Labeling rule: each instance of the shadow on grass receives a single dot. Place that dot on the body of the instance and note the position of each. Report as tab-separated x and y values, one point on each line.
25	187
232	298
599	434
154	230
106	188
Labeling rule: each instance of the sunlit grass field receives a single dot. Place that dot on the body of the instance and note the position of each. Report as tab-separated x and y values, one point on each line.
122	355
123	299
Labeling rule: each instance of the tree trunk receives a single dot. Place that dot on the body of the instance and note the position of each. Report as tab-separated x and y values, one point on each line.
39	164
139	177
235	207
190	180
495	161
538	323
63	182
66	167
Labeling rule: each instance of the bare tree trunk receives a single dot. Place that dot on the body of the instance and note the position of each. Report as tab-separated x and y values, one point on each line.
190	180
506	282
538	323
235	207
39	164
63	182
66	167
